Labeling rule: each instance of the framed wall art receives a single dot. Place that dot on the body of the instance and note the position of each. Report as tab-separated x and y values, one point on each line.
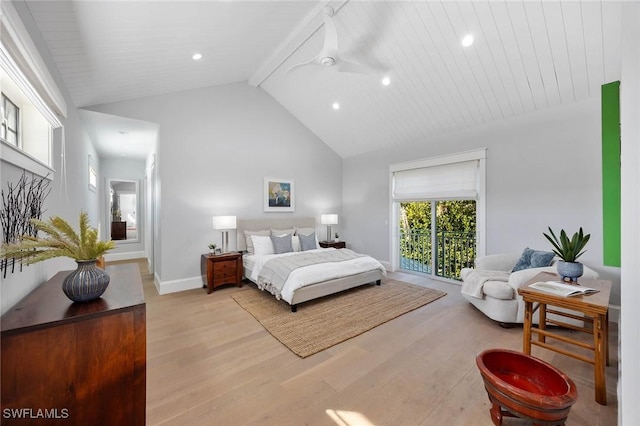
279	195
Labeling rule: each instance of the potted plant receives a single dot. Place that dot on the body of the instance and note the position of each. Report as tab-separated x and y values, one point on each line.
569	250
87	282
212	248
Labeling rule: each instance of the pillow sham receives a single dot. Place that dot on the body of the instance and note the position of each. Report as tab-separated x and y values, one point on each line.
308	242
282	243
283	231
305	231
262	244
249	241
533	259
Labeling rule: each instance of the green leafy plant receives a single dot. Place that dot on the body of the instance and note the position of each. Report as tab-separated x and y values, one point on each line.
212	246
61	241
568	249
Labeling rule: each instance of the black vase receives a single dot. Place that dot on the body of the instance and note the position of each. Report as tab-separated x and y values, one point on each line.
86	283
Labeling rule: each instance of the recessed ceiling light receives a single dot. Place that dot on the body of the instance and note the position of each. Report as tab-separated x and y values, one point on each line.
386	81
197	56
467	40
336	105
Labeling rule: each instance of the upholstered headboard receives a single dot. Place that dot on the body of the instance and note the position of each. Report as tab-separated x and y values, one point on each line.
267	223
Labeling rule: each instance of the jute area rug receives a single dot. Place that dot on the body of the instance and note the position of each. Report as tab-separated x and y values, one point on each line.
325	322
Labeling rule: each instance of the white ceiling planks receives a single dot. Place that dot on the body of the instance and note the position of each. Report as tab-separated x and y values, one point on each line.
594	48
527	56
611	15
542	52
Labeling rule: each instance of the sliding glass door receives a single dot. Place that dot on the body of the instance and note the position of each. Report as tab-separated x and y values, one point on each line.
437	237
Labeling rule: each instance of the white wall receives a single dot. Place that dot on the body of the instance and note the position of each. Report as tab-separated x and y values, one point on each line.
215	146
543	169
629	384
69	189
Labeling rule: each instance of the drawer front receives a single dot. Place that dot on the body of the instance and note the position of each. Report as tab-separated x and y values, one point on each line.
223	268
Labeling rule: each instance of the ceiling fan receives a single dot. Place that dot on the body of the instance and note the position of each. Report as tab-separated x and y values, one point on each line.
328	56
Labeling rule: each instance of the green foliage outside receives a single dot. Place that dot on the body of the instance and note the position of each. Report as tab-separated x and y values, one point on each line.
456	227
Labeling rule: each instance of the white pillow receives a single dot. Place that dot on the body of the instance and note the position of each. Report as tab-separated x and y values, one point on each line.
295	242
249	241
262	244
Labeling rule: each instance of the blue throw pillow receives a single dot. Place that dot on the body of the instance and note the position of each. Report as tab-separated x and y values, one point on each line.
533	259
282	244
308	242
540	259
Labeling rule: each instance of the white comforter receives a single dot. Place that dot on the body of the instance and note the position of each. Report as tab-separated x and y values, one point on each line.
314	273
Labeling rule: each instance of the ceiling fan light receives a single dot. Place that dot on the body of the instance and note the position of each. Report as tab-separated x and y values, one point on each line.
327	61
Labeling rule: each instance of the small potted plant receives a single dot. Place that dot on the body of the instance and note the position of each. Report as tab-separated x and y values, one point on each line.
212	248
337	238
569	250
87	282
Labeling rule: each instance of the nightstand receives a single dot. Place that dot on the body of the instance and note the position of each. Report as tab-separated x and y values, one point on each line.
334	244
221	269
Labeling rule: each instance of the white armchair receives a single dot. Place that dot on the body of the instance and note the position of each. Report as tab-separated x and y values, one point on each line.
500	300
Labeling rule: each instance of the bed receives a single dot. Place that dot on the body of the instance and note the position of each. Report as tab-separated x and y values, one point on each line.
307	282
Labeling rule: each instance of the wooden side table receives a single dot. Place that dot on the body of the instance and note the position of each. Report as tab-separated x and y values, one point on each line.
595	307
334	244
221	269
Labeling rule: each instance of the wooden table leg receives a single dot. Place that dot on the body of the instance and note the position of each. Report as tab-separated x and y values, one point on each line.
599	338
606	337
542	322
526	328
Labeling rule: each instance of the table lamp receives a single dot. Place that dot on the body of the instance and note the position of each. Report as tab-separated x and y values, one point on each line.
329	219
224	224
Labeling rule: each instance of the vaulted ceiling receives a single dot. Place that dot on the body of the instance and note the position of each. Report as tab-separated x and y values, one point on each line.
527	56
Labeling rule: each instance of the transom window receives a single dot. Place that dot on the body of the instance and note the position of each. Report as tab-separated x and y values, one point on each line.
10	121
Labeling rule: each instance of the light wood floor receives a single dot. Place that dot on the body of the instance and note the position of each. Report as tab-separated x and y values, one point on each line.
209	362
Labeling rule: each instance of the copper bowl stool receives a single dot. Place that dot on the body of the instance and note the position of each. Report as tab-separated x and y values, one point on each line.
522	386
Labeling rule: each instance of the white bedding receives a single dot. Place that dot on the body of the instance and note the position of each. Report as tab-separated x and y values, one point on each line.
311	274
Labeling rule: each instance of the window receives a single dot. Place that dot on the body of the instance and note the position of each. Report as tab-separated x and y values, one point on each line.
10	120
31	104
438	213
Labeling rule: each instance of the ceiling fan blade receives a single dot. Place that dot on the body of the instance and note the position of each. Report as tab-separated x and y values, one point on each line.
312	61
330	46
346	66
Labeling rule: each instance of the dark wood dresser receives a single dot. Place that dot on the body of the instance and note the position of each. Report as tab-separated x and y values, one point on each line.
76	363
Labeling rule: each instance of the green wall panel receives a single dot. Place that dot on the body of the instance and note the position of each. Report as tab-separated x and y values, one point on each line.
611	173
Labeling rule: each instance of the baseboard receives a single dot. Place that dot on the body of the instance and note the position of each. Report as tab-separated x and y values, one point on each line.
129	255
174	286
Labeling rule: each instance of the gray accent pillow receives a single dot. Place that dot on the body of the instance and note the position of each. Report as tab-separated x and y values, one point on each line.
282	244
308	242
533	259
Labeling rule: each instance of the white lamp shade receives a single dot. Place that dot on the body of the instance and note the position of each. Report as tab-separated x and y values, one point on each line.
224	222
329	219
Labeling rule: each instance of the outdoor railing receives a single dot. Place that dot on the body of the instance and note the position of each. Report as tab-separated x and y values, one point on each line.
455	250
